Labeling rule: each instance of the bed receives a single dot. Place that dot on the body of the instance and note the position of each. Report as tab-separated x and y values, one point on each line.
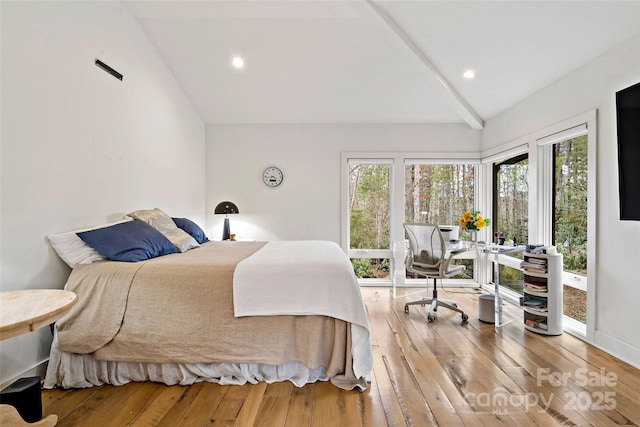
226	312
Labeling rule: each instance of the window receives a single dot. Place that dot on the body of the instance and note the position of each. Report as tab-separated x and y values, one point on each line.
440	194
437	193
545	192
511	212
569	226
511	198
369	208
380	191
565	165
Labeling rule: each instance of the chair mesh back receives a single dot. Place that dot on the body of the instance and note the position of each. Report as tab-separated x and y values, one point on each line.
426	243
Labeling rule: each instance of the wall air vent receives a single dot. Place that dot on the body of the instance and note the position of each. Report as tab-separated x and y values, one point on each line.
108	69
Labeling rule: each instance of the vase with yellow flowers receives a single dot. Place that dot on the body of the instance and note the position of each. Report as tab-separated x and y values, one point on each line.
473	222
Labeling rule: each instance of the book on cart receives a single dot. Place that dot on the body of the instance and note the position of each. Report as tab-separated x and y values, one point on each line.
539	304
534	266
535	324
535	287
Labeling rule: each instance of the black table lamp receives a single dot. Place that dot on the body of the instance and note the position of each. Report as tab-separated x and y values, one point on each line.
226	208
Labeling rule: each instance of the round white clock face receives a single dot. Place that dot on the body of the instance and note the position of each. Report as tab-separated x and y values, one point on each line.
272	176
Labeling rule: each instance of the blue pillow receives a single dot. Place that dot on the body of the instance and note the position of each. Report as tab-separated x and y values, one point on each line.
130	241
191	228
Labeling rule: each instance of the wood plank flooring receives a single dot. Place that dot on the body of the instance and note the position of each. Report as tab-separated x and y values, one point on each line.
425	374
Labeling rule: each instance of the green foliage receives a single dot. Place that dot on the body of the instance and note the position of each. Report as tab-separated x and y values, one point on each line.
468	272
438	193
570	216
509	274
362	268
370	206
512	199
357	229
369	268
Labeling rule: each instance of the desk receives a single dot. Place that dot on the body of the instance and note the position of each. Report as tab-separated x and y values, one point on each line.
25	311
497	250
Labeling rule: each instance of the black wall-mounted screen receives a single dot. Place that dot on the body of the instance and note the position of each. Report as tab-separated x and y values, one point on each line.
628	116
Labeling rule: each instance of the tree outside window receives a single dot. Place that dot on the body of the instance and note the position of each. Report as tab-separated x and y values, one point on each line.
440	194
570	217
511	212
369	216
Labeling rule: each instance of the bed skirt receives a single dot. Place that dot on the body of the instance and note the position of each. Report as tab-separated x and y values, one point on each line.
69	370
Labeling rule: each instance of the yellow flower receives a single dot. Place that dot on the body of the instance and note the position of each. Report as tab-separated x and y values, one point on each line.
473	221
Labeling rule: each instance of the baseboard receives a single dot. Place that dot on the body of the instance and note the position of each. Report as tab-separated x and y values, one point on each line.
618	349
39	370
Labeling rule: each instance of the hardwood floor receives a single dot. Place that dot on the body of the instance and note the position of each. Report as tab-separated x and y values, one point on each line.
443	373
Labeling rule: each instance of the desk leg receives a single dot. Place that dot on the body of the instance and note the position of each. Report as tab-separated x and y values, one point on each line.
496	292
497	298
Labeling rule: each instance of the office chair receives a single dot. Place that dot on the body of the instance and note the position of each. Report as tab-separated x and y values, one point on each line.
427	256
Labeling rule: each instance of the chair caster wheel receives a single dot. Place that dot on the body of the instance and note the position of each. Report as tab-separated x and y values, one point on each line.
431	318
406	308
465	317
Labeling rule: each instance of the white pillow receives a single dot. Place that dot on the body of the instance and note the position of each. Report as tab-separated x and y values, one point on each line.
73	250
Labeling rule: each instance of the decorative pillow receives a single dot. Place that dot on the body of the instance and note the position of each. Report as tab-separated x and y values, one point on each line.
192	229
73	250
164	224
130	241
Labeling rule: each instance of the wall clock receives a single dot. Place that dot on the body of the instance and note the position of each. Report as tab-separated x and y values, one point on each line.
272	176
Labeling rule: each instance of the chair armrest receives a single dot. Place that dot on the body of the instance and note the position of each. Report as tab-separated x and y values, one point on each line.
451	254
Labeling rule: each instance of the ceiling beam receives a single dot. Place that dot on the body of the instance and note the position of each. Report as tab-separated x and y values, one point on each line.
466	112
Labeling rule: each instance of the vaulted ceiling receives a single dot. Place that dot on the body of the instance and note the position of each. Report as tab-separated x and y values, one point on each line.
370	61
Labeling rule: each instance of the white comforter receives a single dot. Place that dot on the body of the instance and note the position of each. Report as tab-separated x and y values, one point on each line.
262	287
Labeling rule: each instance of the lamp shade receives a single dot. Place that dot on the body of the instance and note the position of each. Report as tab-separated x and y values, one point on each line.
226	208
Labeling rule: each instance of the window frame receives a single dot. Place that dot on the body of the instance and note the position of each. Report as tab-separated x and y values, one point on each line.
346	232
399	160
516	150
541	199
511	160
584	125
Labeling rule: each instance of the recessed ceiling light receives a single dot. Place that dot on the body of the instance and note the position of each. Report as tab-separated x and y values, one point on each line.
238	62
469	74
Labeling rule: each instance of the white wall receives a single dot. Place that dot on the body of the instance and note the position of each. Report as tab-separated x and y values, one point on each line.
617	254
80	148
307	204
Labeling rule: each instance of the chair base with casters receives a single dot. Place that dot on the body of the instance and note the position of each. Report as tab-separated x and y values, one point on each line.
435	302
428	256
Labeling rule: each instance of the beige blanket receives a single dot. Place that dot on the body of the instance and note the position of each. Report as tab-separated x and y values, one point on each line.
179	308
